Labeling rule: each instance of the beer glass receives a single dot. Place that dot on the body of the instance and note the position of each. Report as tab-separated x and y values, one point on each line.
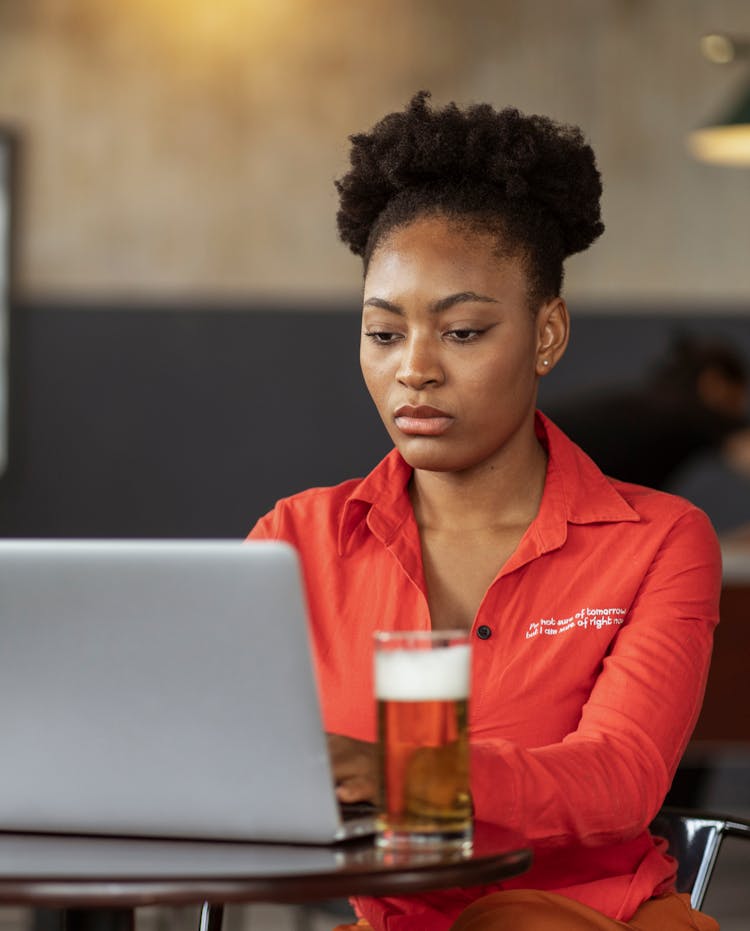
422	691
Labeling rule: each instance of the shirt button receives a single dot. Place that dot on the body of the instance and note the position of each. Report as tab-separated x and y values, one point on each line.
484	632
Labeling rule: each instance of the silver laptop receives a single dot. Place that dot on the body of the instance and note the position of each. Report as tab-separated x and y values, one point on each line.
161	689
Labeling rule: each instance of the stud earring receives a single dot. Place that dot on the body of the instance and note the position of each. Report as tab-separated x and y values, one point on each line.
545	361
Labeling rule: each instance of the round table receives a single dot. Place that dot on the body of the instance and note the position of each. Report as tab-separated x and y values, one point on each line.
78	873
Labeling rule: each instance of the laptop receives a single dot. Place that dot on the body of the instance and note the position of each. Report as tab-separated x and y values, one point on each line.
161	689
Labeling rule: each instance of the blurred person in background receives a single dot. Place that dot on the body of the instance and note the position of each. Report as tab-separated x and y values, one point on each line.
684	429
693	400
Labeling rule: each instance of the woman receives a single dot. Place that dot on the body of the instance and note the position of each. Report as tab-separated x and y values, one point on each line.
592	602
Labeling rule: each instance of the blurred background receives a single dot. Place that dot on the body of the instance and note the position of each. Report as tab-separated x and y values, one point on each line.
177	149
182	329
181	326
179	322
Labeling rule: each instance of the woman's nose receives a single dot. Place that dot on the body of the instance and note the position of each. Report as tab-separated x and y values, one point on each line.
419	364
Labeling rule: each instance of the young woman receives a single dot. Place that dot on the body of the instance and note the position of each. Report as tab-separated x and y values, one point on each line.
592	602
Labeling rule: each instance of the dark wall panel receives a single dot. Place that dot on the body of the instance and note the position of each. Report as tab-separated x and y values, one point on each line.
192	422
178	423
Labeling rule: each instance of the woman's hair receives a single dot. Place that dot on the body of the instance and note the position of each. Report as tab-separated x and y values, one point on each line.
528	180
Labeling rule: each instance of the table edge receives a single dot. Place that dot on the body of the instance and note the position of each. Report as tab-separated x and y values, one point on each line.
367	881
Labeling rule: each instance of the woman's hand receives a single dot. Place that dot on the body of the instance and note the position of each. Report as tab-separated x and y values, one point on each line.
355	768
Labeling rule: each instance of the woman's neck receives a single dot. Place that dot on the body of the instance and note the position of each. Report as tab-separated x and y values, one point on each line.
505	491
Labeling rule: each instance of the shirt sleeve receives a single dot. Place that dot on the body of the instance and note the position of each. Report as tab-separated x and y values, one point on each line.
605	781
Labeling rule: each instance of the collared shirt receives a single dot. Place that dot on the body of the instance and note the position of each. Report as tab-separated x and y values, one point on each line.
591	650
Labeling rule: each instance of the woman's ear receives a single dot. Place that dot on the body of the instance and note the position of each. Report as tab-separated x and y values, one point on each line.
553	331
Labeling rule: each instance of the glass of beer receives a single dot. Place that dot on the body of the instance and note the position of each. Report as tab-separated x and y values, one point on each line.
422	691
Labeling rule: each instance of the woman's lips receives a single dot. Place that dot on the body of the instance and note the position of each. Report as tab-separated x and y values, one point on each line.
422	421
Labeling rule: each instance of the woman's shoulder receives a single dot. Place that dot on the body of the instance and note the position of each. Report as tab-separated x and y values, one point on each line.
652	502
313	507
592	494
320	511
669	516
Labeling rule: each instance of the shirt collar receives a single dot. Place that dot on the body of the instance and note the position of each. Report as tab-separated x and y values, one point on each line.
589	496
381	500
575	492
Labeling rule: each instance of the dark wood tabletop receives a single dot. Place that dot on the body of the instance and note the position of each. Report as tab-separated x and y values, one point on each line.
55	871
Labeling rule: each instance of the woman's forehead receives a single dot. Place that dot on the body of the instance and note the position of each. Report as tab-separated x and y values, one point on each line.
442	253
437	227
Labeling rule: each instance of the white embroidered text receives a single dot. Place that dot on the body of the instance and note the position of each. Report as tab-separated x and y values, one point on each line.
585	619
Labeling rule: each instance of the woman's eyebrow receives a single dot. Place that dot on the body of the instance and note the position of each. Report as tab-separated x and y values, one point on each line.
462	297
382	304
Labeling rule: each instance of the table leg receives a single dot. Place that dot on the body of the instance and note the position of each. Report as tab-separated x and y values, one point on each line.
211	917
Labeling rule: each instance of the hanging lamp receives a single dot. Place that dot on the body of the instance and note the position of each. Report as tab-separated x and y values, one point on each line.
725	140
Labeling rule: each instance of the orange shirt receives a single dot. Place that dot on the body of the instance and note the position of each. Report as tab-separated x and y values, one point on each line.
590	658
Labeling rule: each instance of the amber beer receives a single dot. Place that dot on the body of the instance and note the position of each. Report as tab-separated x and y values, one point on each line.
422	690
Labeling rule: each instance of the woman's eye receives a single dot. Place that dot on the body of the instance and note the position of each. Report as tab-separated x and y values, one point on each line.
463	335
383	337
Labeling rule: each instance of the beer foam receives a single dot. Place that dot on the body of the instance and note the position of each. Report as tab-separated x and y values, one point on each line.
441	674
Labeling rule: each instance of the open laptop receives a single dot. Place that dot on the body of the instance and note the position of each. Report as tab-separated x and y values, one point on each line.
161	689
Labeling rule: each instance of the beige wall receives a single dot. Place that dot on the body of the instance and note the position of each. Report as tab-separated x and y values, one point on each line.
177	147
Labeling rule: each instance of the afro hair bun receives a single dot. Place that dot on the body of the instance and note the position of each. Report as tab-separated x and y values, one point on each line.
531	163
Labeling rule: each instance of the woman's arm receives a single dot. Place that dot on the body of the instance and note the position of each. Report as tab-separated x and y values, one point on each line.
354	762
608	778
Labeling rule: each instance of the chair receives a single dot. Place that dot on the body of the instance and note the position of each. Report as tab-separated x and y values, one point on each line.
694	840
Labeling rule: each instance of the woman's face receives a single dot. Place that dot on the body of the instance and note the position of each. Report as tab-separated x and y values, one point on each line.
450	351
